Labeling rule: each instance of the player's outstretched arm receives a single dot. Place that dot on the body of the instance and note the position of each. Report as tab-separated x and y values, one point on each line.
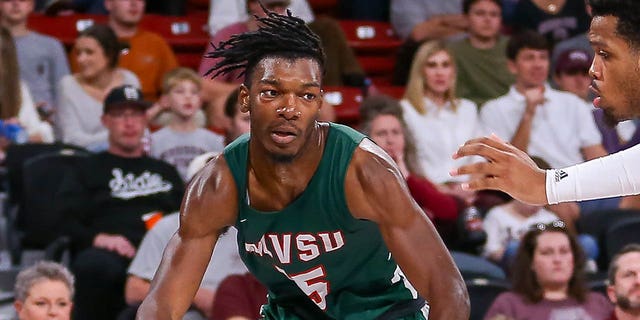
377	191
507	169
209	206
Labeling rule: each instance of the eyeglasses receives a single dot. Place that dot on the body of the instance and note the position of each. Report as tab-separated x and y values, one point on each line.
557	224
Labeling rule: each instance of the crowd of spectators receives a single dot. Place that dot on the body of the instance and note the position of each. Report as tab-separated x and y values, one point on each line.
518	69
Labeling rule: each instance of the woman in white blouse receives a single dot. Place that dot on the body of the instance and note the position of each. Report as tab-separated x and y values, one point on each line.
438	120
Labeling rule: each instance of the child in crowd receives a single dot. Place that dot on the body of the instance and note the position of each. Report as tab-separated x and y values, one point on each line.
505	224
182	139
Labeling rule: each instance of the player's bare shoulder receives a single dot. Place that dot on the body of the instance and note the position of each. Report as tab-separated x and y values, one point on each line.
371	177
369	163
210	202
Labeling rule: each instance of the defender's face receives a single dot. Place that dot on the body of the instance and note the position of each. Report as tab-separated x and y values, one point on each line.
615	71
284	98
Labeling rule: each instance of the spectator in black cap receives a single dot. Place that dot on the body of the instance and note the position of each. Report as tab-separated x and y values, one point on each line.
571	72
110	201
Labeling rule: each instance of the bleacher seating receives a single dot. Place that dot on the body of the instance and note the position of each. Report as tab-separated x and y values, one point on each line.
33	221
375	45
198	7
621	233
482	292
374	42
328	7
65	28
347	101
187	35
597	223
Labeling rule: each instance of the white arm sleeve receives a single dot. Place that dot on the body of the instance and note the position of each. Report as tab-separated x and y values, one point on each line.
615	175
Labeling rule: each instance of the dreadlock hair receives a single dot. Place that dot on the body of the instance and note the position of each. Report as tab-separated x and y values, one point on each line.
283	36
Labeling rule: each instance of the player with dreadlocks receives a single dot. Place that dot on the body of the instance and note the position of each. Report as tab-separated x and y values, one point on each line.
324	218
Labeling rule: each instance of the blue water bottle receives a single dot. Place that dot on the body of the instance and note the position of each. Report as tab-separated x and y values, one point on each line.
14	132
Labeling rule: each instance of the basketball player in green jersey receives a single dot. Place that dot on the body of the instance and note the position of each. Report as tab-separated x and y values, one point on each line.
324	217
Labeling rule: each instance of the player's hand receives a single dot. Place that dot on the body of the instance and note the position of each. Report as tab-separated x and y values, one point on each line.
507	169
116	243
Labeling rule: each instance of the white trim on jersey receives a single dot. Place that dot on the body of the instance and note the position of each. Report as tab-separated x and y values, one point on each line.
398	275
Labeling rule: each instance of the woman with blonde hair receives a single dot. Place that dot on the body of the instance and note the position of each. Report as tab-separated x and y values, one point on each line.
16	104
438	120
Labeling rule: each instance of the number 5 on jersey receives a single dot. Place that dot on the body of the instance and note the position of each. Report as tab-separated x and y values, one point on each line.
313	283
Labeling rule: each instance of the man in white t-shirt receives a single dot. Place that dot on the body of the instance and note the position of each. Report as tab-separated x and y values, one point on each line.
541	121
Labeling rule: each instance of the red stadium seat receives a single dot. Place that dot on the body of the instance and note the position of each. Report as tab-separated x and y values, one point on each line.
198	7
377	65
190	59
329	7
375	45
392	91
186	33
370	36
346	101
64	28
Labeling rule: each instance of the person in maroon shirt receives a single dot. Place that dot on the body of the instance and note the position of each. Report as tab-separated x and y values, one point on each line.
382	121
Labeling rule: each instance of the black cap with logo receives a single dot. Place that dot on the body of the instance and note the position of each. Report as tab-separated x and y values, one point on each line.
126	96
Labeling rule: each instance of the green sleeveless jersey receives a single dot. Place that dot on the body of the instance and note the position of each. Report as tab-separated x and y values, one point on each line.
316	259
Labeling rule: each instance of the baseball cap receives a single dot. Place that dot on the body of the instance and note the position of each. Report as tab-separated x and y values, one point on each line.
126	96
572	60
